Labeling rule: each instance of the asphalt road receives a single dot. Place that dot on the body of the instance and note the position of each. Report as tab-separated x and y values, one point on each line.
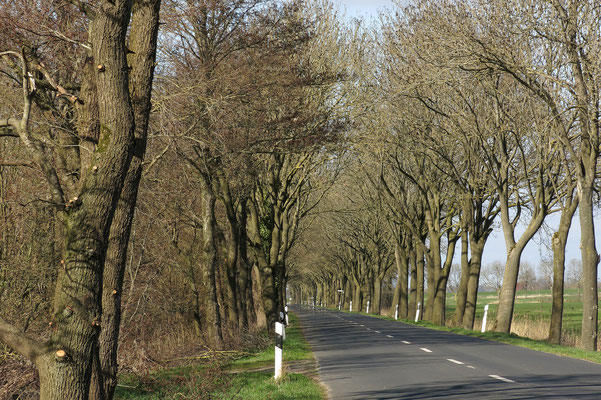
361	357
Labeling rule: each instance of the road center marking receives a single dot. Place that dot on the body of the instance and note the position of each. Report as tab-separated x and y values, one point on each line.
455	361
377	331
406	342
361	325
390	336
368	329
426	350
501	378
469	366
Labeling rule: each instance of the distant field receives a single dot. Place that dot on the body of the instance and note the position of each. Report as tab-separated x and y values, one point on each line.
530	306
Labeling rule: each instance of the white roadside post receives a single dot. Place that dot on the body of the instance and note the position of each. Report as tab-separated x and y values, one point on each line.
396	313
283	320
351	306
279	344
417	312
484	319
367	311
286	309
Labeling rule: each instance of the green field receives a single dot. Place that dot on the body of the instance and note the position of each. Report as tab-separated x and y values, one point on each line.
534	306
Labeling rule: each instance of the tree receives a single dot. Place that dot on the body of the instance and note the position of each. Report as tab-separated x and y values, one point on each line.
527	277
107	120
556	63
492	275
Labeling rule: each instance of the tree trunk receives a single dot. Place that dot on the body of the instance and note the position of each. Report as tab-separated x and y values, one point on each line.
590	259
77	298
357	298
507	297
397	289
473	282
440	280
411	307
377	294
213	332
461	295
420	283
142	42
348	293
257	290
558	244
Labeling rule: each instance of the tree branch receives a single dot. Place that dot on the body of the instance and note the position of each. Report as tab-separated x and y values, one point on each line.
19	341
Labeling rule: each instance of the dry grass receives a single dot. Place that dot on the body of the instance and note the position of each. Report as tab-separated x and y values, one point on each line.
537	329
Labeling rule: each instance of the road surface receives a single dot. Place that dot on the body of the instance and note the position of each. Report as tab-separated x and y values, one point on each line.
362	357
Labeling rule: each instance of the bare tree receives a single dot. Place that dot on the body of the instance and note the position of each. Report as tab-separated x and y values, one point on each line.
492	275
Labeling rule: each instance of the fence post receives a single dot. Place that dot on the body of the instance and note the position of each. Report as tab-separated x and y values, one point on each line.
417	311
279	344
484	318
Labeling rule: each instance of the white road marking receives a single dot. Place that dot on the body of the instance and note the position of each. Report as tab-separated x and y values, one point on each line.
501	378
390	336
406	342
455	361
368	329
361	325
426	350
469	366
377	331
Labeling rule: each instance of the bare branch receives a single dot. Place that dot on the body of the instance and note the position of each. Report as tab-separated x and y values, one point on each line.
19	341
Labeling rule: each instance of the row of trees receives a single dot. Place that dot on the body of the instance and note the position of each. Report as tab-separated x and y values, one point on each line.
479	111
236	148
281	148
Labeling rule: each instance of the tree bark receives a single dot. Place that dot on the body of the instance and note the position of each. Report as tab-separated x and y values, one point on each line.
590	259
214	335
420	282
142	42
558	244
461	295
77	308
475	266
412	297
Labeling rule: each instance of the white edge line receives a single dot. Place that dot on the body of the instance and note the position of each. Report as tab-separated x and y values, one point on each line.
455	361
426	350
501	378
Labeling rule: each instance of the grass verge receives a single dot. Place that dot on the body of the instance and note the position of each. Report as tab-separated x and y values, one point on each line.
246	377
